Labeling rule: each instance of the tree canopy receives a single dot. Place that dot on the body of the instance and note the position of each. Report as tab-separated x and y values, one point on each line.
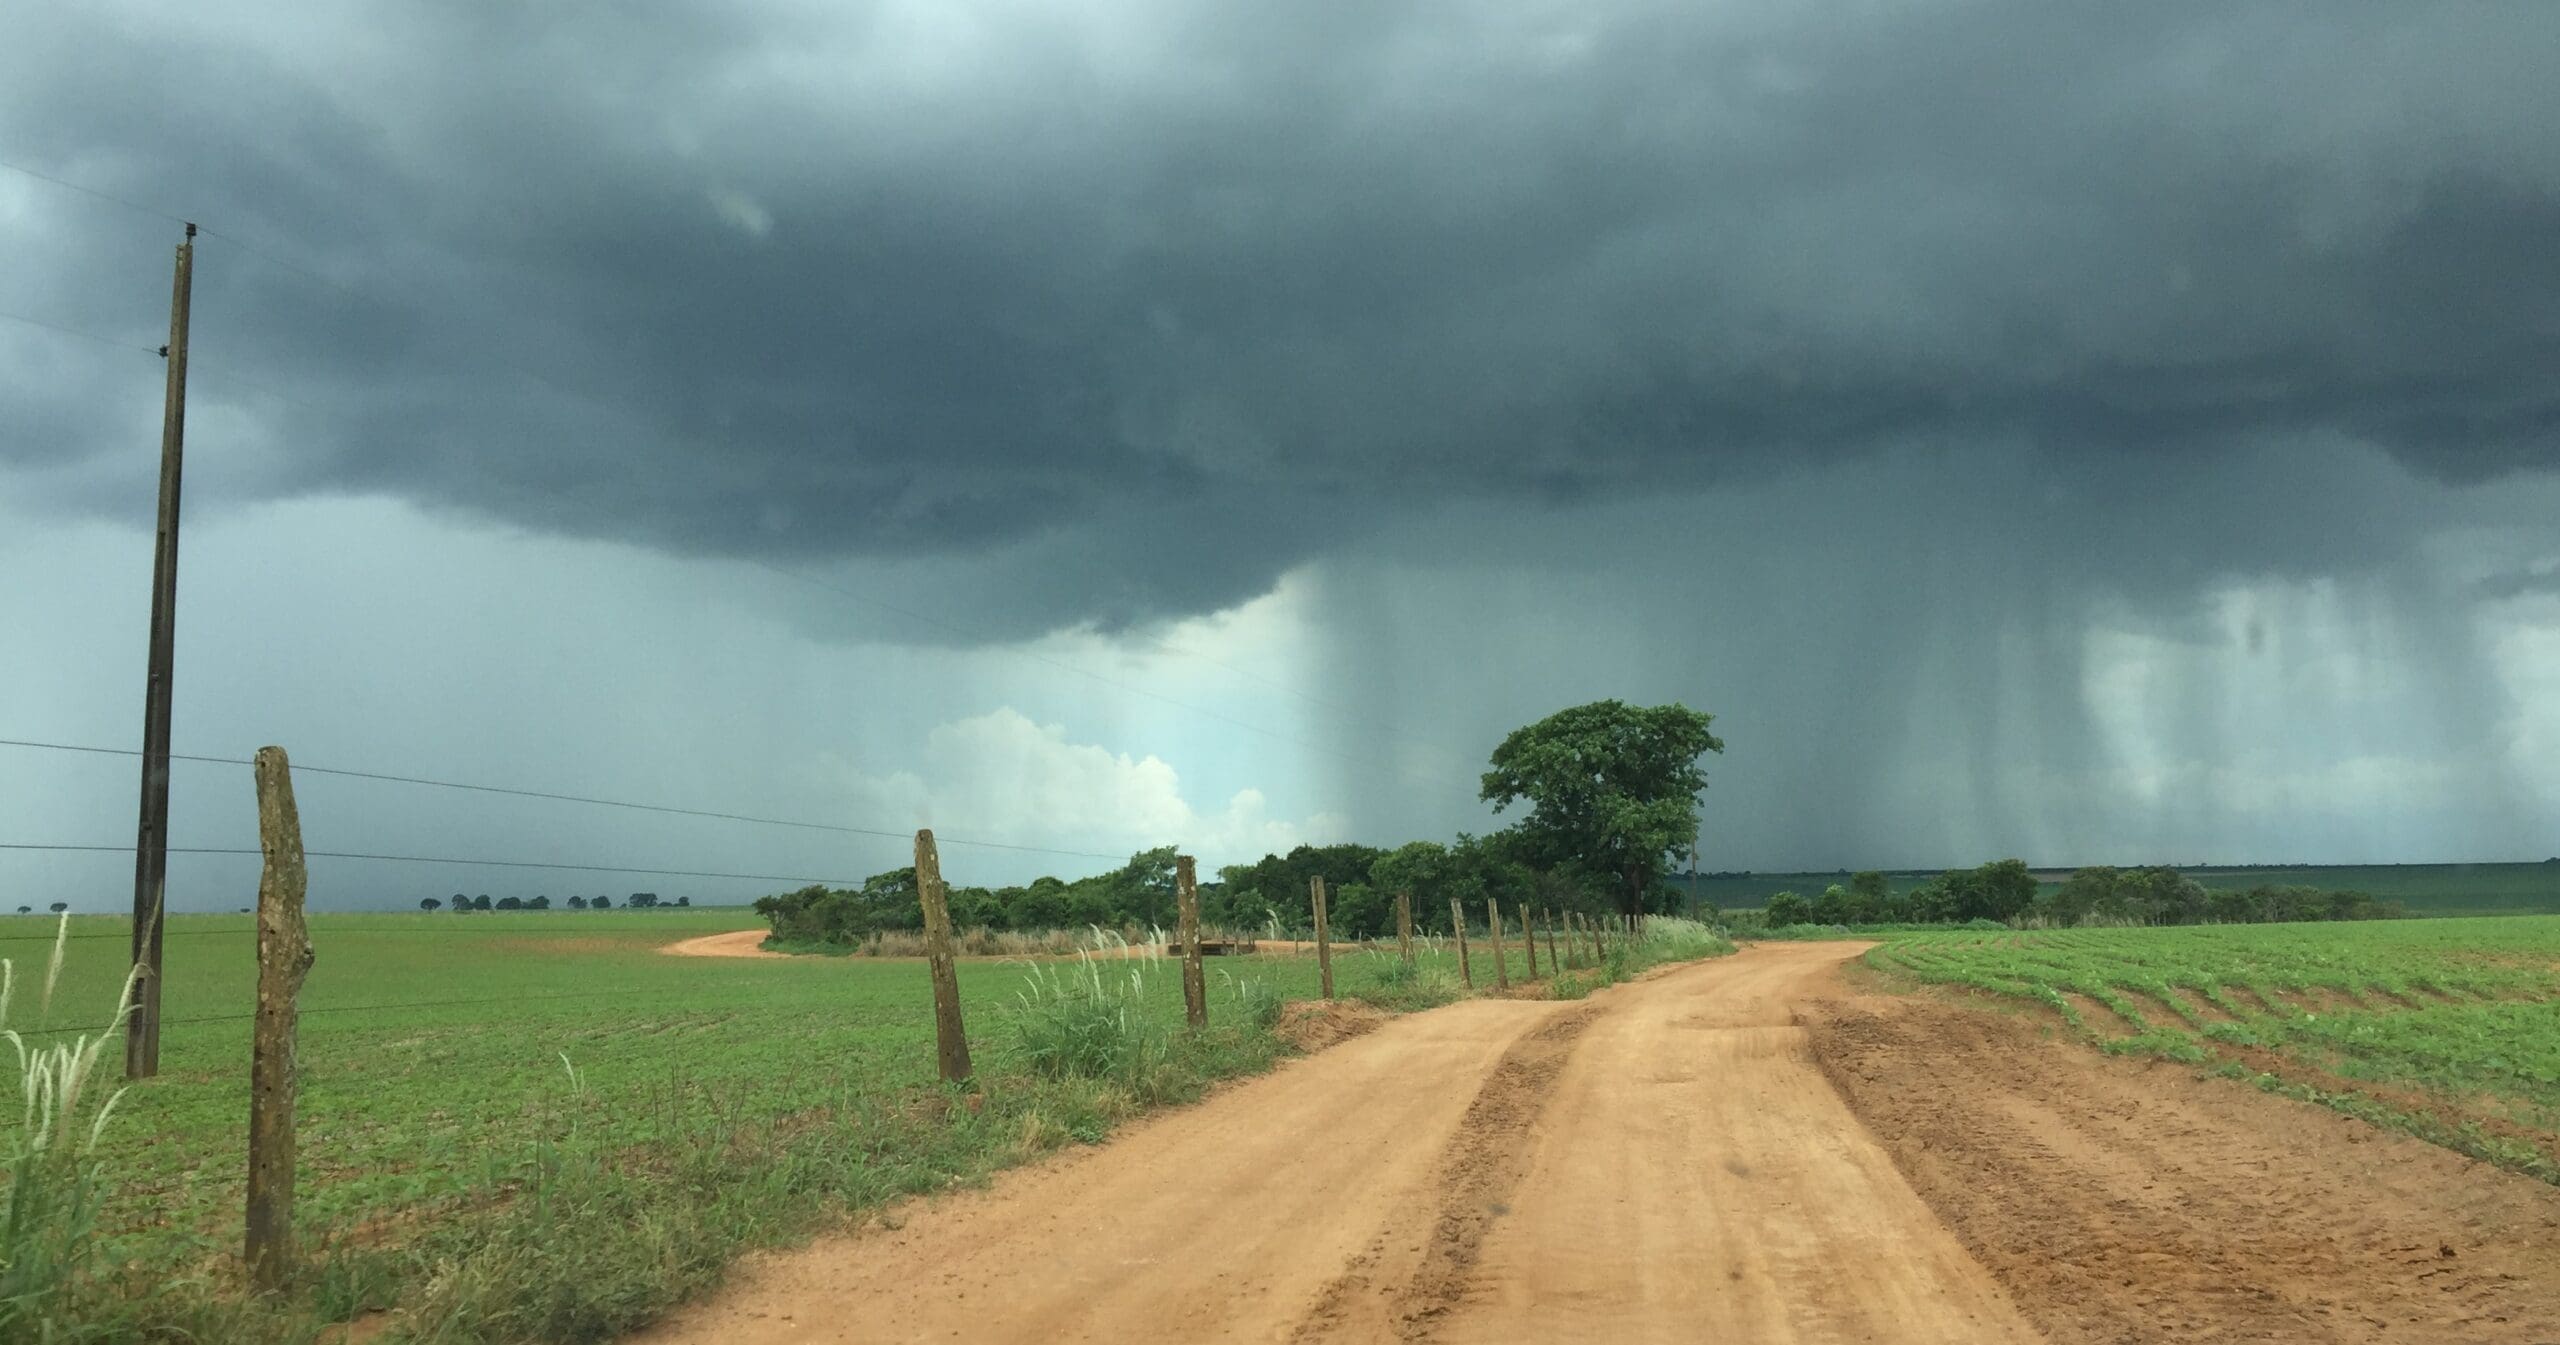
1611	787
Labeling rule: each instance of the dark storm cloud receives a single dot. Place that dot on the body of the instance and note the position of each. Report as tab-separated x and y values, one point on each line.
1121	312
2540	579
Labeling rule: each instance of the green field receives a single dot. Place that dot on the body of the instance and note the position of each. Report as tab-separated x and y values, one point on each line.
537	1126
2449	1028
2425	889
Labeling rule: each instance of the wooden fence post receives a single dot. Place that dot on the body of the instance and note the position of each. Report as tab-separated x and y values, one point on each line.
284	957
951	1045
1195	982
1458	922
1493	917
1324	935
1528	941
1548	919
1404	926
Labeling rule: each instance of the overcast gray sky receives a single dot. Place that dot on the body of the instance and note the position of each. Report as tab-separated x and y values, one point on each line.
2082	432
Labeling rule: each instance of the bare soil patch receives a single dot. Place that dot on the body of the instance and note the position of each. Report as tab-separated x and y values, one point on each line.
1313	1025
2124	1200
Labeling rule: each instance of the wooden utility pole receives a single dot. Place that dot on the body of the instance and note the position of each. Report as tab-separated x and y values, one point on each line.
1195	982
151	834
1404	925
284	957
1493	917
951	1044
1458	922
1324	935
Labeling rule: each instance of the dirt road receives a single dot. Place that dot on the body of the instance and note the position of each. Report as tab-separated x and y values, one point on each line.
1494	1170
734	943
1694	1156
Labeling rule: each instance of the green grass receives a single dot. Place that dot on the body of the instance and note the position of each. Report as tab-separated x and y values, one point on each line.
536	1126
2449	1028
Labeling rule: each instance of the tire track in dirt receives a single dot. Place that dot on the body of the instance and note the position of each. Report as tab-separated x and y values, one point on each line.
1409	1275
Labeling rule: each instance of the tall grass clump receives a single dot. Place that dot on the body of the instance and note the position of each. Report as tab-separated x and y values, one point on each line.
1258	1000
1083	1020
48	1216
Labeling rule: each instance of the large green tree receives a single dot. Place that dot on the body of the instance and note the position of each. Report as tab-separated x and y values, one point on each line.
1610	786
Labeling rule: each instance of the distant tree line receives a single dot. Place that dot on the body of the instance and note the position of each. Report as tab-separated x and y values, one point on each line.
1361	883
2006	892
463	905
1608	792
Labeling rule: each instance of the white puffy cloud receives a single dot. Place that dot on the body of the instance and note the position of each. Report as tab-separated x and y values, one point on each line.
1000	776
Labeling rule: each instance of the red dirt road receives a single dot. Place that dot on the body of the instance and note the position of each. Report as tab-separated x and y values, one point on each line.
1742	1150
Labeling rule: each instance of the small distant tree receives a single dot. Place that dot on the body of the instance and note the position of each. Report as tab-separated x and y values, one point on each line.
511	903
59	907
430	904
641	901
481	902
25	909
1786	908
577	903
602	902
684	901
538	904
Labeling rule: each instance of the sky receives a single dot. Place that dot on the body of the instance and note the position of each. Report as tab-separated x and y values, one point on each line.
2086	433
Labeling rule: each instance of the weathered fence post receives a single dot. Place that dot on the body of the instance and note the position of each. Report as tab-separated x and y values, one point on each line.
1404	926
951	1045
1324	935
1458	922
1195	982
1554	965
284	957
1493	917
1528	941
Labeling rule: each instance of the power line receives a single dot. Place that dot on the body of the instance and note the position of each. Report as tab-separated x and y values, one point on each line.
667	809
58	328
443	859
109	197
155	212
195	368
